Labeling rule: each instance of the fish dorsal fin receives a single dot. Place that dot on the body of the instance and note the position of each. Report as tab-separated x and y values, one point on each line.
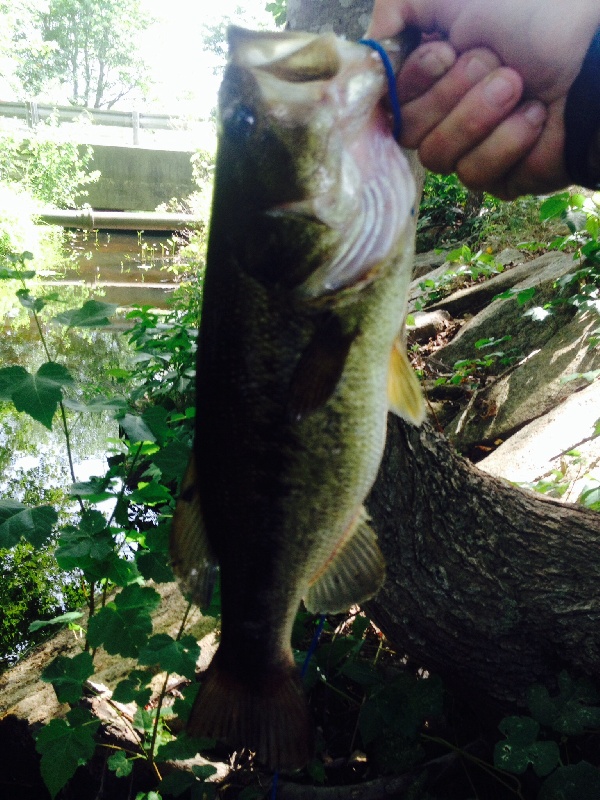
404	391
354	572
319	368
192	558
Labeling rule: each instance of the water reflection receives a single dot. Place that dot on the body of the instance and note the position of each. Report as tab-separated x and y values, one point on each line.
123	268
118	268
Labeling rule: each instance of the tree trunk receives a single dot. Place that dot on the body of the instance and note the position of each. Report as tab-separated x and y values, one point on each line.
492	587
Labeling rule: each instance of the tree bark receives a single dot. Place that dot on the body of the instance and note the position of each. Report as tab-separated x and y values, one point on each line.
492	587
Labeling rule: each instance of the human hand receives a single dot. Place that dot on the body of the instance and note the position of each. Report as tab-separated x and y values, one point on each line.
496	114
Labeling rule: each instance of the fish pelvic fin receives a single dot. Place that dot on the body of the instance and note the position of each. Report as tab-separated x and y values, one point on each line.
192	559
354	572
319	368
271	717
404	391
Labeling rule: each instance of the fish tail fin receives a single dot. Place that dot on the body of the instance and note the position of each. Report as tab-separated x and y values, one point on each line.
271	718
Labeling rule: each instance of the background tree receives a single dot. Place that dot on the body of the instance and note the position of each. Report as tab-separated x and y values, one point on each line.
90	47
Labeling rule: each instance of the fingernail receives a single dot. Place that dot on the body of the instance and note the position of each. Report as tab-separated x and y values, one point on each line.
476	69
437	61
499	91
535	114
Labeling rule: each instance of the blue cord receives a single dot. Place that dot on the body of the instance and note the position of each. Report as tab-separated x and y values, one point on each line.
391	79
309	654
313	645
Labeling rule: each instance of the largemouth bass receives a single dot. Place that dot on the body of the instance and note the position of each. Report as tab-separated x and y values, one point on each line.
300	356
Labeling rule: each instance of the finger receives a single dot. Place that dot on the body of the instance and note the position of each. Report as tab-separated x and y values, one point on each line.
473	119
386	20
424	114
542	170
423	68
489	163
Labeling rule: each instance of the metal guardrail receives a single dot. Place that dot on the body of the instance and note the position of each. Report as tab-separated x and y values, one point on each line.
34	113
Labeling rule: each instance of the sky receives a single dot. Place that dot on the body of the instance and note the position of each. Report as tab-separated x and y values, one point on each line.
181	70
173	48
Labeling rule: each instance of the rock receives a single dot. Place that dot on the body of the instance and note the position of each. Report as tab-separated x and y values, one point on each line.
539	447
427	324
475	297
506	317
532	389
425	262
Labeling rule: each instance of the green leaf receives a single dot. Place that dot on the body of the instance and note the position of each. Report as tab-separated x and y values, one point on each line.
154	567
9	378
576	782
170	655
554	207
520	748
16	274
31	303
525	295
120	764
33	524
182	706
572	711
183	747
69	616
176	783
131	688
172	460
91	541
64	747
94	490
39	395
92	314
136	429
204	771
362	672
68	675
151	494
124	625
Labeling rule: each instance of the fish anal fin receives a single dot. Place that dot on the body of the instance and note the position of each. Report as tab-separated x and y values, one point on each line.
192	558
404	391
355	572
319	368
271	718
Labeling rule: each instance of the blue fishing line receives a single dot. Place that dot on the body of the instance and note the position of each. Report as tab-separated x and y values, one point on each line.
313	645
309	654
391	79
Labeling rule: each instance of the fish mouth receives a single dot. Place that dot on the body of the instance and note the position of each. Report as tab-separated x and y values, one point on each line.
324	98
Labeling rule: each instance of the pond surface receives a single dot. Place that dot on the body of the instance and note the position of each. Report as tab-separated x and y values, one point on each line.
119	268
123	268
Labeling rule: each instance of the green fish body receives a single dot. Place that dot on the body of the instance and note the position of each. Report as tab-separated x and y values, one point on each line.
299	359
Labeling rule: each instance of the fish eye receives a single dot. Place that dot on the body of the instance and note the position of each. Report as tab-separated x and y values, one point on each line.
240	122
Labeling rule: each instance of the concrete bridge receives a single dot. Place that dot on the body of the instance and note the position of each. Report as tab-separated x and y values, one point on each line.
138	178
144	159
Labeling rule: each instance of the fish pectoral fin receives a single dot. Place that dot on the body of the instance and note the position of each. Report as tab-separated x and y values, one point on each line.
404	391
319	368
355	572
192	558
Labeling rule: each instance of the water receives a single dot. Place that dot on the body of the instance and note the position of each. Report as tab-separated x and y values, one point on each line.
123	268
119	268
